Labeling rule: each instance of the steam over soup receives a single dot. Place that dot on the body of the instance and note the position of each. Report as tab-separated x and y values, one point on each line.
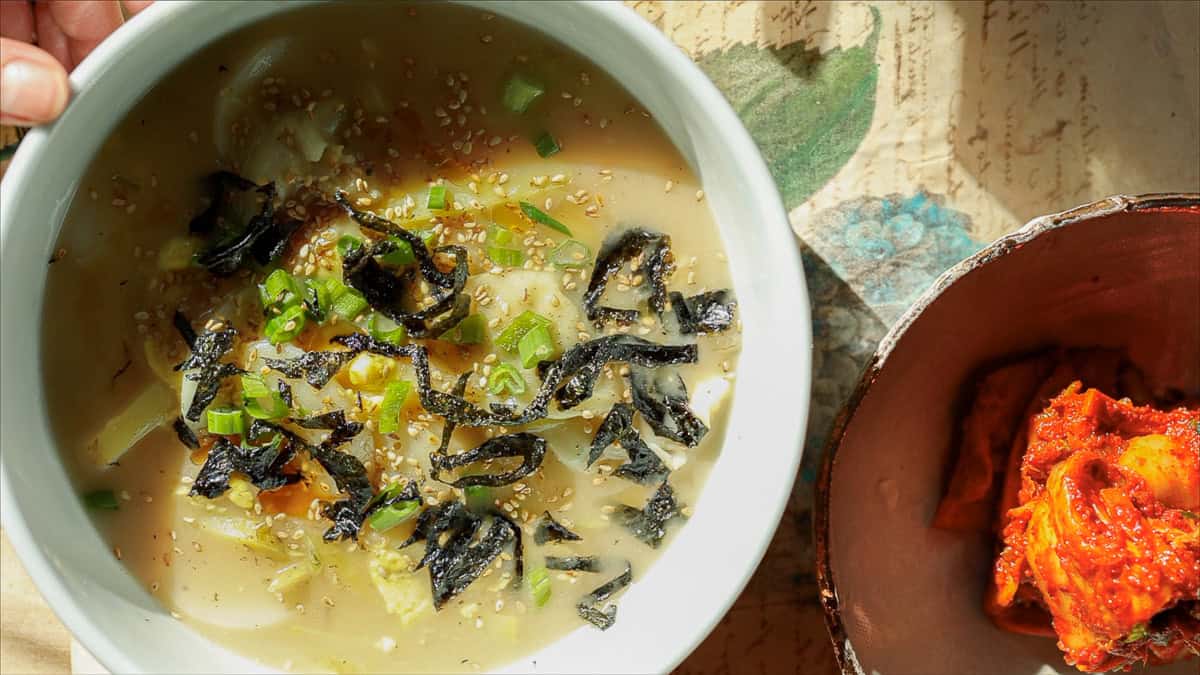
389	338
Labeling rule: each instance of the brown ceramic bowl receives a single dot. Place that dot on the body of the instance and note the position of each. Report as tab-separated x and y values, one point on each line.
901	598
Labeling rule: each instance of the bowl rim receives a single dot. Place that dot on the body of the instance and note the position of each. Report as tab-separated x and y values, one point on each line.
843	650
84	620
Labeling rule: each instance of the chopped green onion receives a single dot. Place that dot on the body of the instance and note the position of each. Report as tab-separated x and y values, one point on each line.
477	496
504	378
317	299
104	500
392	336
285	326
439	198
520	92
537	345
253	386
403	255
539	216
261	401
506	257
546	145
394	396
510	338
280	290
179	253
571	253
500	236
347	243
347	302
539	586
226	421
387	517
1138	632
469	331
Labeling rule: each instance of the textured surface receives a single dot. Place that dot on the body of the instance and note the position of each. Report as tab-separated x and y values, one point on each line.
904	136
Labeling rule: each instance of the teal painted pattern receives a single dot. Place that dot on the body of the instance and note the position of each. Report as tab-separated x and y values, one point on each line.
890	249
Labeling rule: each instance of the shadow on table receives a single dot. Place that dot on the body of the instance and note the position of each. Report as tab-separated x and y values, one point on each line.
1067	103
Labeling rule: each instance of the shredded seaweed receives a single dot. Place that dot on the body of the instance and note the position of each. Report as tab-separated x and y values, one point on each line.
347	471
530	448
213	479
343	430
274	241
285	393
386	292
573	563
263	465
185	328
394	495
644	466
570	379
657	264
260	237
662	399
208	348
550	530
709	312
317	368
458	547
185	434
377	224
351	478
617	423
649	523
593	608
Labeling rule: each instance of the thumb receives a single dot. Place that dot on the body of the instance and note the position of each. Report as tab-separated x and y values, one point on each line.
33	85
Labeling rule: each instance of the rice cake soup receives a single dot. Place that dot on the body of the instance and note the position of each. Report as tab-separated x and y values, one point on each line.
387	356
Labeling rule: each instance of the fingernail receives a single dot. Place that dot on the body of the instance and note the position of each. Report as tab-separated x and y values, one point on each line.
32	91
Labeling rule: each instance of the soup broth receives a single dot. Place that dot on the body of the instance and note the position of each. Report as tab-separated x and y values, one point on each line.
486	142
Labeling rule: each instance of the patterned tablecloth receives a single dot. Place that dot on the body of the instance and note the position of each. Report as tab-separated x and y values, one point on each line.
903	136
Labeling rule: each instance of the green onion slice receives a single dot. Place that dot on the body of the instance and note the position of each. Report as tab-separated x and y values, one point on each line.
536	345
347	243
285	326
392	336
510	338
403	255
477	496
394	396
103	500
520	92
539	586
572	253
546	145
505	378
318	301
469	331
226	421
262	402
346	302
539	216
500	236
279	291
506	257
387	517
440	199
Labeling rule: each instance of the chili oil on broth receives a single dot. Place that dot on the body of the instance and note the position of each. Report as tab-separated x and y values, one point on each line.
142	190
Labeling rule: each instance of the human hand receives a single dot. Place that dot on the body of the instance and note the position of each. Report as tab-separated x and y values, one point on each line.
33	79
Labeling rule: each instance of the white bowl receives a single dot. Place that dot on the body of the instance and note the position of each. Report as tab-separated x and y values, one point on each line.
668	611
